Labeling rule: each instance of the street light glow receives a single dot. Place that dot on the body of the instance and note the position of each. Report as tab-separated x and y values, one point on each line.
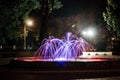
73	25
29	22
90	32
84	33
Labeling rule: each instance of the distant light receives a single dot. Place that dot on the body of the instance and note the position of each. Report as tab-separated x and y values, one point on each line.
29	22
113	38
1	47
90	33
73	26
84	33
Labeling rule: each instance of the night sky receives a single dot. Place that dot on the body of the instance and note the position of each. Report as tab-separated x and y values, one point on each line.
71	7
84	13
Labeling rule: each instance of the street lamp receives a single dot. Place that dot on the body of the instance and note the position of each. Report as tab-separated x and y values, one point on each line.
29	23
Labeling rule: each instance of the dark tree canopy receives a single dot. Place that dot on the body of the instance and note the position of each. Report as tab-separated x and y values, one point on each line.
112	16
47	7
13	13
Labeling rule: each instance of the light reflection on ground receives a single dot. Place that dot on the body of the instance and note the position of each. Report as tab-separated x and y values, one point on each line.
35	59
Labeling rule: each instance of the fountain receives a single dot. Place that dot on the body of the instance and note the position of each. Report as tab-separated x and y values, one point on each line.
66	51
69	47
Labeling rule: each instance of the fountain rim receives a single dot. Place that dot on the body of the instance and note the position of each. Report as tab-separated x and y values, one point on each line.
88	59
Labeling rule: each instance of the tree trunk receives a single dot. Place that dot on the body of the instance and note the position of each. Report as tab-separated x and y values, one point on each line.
44	21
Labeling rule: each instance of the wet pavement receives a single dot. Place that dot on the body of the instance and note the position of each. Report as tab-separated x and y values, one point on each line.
23	74
8	72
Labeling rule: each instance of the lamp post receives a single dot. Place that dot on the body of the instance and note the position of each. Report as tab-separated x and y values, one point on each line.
27	23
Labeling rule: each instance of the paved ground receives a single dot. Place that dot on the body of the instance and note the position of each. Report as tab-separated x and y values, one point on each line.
11	73
106	78
21	74
8	72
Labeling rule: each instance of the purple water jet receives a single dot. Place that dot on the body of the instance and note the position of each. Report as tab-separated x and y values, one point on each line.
68	47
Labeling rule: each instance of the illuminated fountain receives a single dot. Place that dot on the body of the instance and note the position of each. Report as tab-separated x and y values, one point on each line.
69	47
69	51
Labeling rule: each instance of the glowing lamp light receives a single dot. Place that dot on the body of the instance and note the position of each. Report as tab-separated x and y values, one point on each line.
29	22
84	33
90	32
73	26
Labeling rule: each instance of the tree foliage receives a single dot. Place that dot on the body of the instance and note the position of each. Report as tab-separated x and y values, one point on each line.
13	14
112	16
54	4
5	11
23	8
47	7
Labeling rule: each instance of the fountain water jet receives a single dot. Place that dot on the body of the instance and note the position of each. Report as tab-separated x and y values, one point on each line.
69	47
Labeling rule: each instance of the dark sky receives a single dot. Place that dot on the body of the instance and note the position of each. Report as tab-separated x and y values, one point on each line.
85	13
71	7
81	12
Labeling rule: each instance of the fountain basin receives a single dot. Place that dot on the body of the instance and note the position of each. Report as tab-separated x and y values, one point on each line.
79	63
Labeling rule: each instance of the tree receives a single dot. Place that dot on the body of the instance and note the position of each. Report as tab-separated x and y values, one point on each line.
5	12
12	16
14	13
112	16
47	7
